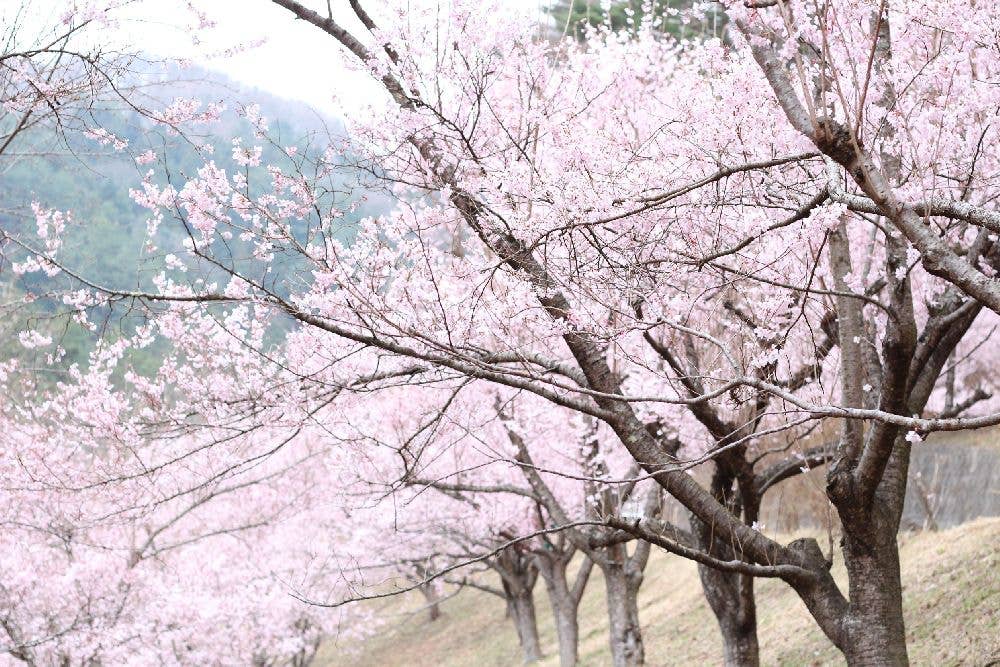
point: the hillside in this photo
(106, 240)
(951, 589)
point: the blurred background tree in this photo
(680, 19)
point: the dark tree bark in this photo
(730, 595)
(876, 630)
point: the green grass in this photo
(951, 585)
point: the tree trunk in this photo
(737, 623)
(876, 630)
(523, 608)
(433, 608)
(874, 627)
(739, 643)
(564, 608)
(876, 634)
(508, 598)
(518, 575)
(625, 634)
(730, 594)
(568, 634)
(868, 626)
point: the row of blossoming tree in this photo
(620, 270)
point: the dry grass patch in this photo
(951, 582)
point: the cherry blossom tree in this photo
(122, 544)
(197, 578)
(50, 76)
(715, 252)
(523, 207)
(167, 529)
(490, 460)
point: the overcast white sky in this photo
(296, 60)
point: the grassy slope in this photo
(951, 586)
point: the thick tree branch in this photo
(783, 571)
(792, 466)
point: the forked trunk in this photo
(868, 626)
(518, 574)
(876, 633)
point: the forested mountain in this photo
(109, 238)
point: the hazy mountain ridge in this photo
(107, 240)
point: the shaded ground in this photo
(951, 586)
